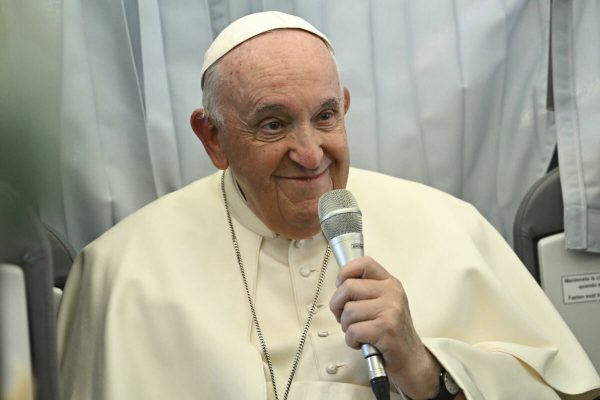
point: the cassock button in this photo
(332, 369)
(299, 243)
(323, 333)
(305, 271)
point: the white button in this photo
(305, 272)
(299, 243)
(333, 368)
(323, 333)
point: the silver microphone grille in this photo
(339, 213)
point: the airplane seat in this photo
(63, 256)
(28, 354)
(540, 214)
(570, 279)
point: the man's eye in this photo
(325, 116)
(272, 125)
(271, 130)
(327, 119)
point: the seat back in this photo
(16, 378)
(63, 256)
(25, 254)
(570, 279)
(539, 215)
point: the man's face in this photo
(283, 134)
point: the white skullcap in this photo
(252, 25)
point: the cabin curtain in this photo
(576, 66)
(452, 94)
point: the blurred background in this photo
(472, 97)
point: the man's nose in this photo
(306, 149)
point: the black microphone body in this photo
(341, 223)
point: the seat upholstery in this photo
(539, 215)
(25, 245)
(63, 255)
(539, 242)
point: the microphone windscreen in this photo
(339, 213)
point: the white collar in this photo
(238, 207)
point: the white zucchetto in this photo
(252, 25)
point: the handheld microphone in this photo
(341, 223)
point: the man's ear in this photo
(346, 99)
(208, 133)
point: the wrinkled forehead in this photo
(253, 25)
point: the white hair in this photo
(210, 95)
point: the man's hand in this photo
(372, 307)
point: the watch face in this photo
(451, 386)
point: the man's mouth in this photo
(308, 178)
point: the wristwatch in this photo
(448, 388)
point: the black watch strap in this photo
(448, 388)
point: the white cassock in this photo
(156, 307)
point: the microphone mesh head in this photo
(342, 222)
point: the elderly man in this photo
(220, 290)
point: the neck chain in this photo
(261, 338)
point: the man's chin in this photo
(306, 219)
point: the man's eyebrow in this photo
(333, 103)
(266, 108)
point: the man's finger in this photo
(358, 311)
(362, 268)
(353, 290)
